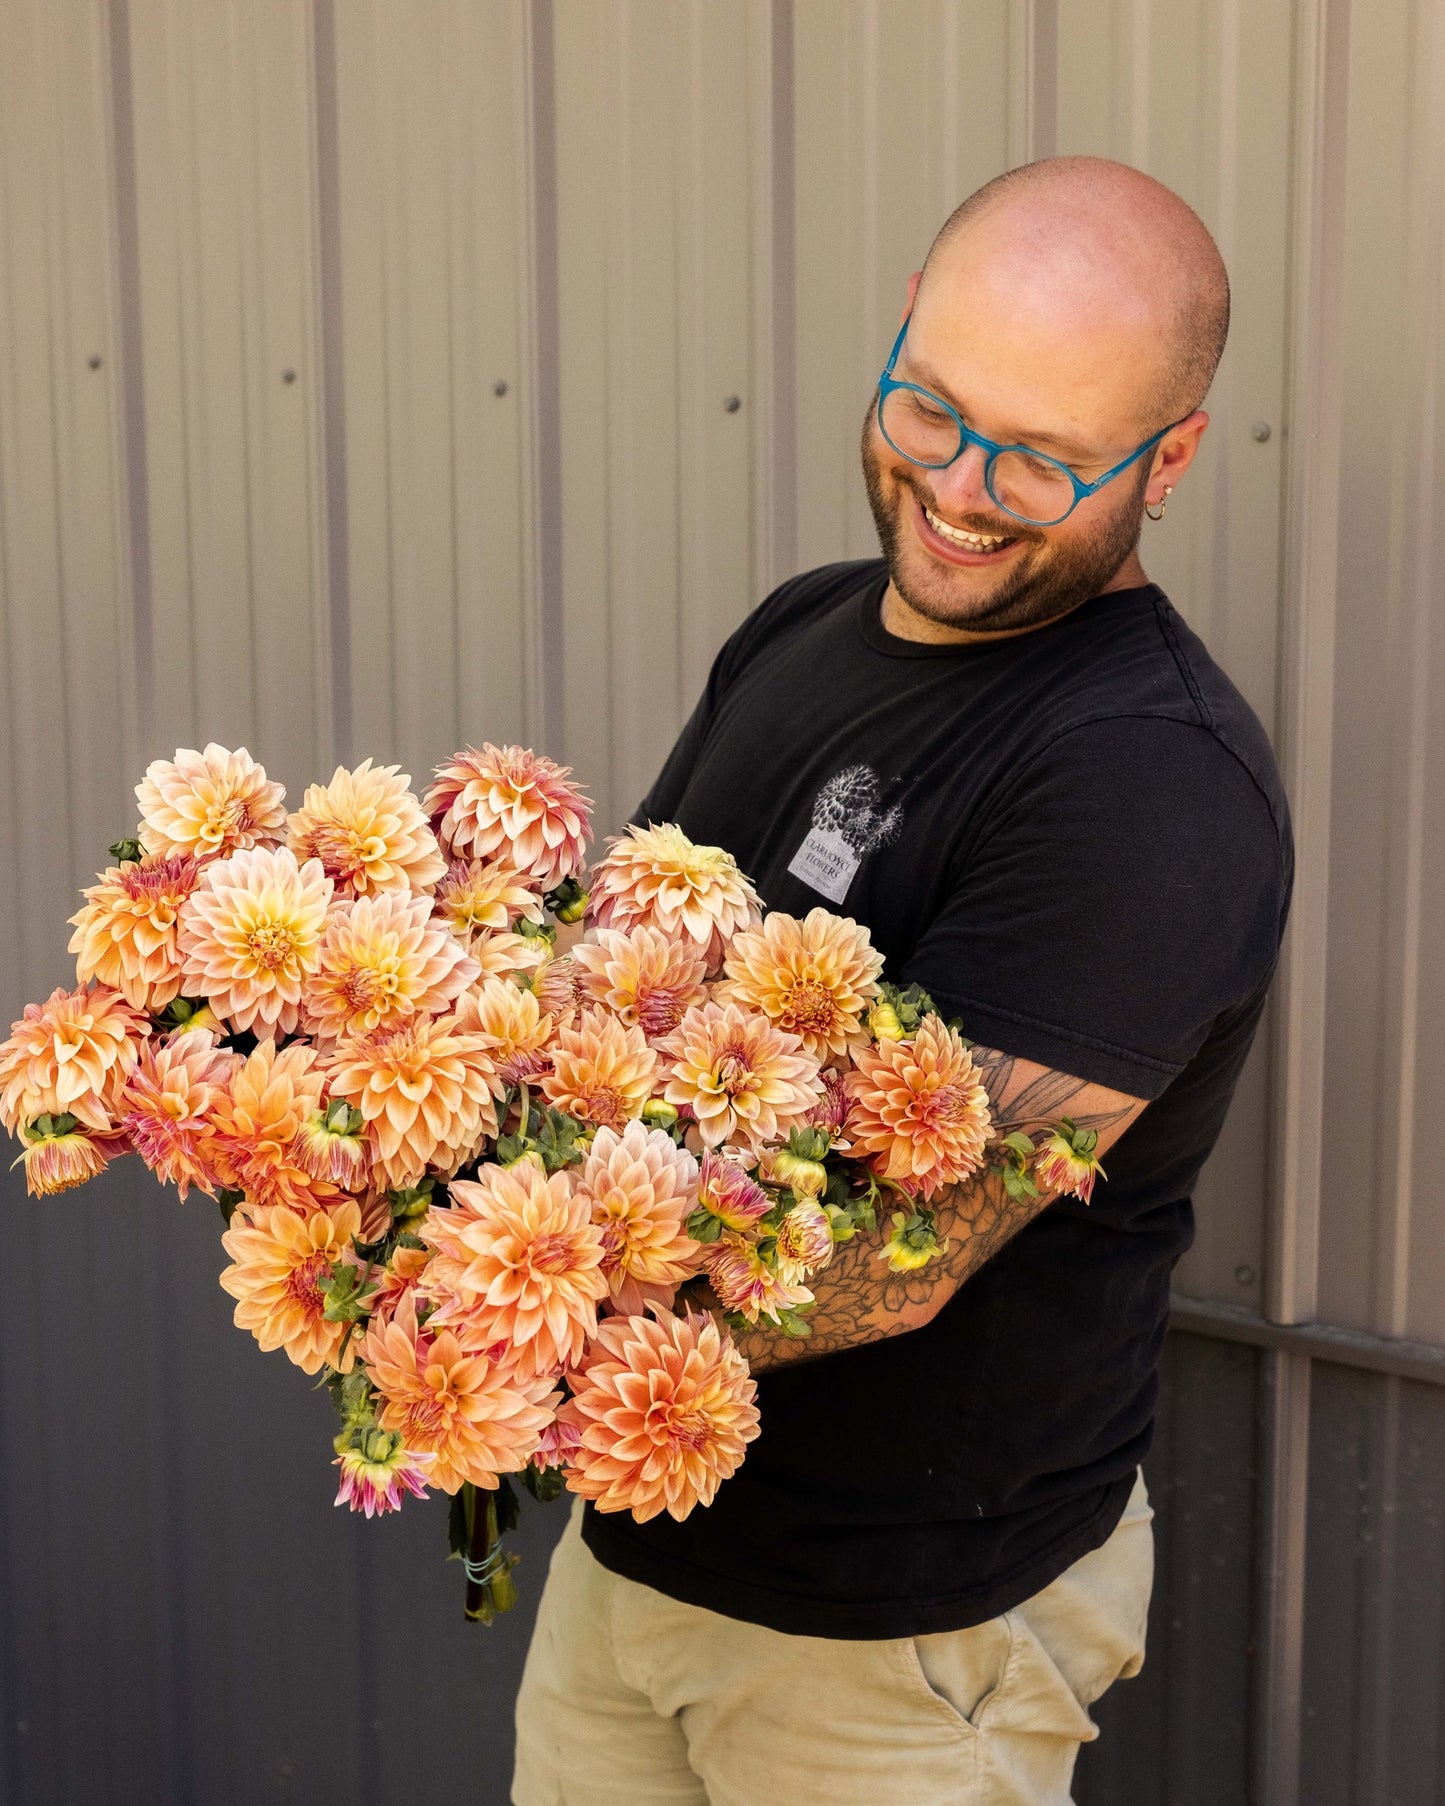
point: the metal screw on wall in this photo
(1260, 431)
(94, 360)
(1245, 1275)
(499, 387)
(288, 376)
(731, 403)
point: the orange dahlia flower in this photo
(425, 1091)
(918, 1109)
(250, 936)
(279, 1259)
(748, 1283)
(814, 977)
(255, 1122)
(368, 832)
(380, 959)
(474, 1418)
(642, 976)
(657, 877)
(70, 1055)
(520, 1267)
(513, 1025)
(126, 936)
(56, 1163)
(665, 1411)
(743, 1079)
(209, 803)
(640, 1188)
(167, 1106)
(602, 1070)
(482, 896)
(503, 802)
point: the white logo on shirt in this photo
(847, 825)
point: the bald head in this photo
(1086, 242)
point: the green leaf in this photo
(703, 1226)
(228, 1201)
(509, 1507)
(792, 1323)
(544, 1483)
(458, 1529)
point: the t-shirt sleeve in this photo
(1126, 888)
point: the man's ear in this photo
(913, 281)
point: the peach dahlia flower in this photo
(513, 1025)
(505, 803)
(665, 1413)
(280, 1257)
(814, 977)
(743, 1079)
(483, 896)
(474, 1418)
(250, 935)
(56, 1163)
(520, 1266)
(656, 876)
(918, 1109)
(126, 936)
(642, 976)
(168, 1104)
(368, 832)
(748, 1283)
(254, 1122)
(208, 803)
(380, 959)
(640, 1187)
(70, 1055)
(602, 1070)
(425, 1091)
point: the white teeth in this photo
(975, 542)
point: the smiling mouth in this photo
(960, 536)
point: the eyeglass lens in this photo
(1028, 487)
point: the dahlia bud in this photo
(728, 1198)
(657, 1113)
(913, 1243)
(883, 1023)
(804, 1242)
(378, 1470)
(808, 1178)
(568, 902)
(1066, 1162)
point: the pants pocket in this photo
(955, 1673)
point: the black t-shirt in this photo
(1077, 840)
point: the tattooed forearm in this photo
(860, 1299)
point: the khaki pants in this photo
(632, 1699)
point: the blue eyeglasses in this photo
(1028, 484)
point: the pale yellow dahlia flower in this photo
(279, 1259)
(126, 936)
(744, 1080)
(475, 1418)
(254, 1123)
(425, 1091)
(368, 832)
(509, 804)
(520, 1268)
(502, 954)
(380, 959)
(642, 976)
(814, 977)
(209, 804)
(70, 1055)
(665, 1413)
(169, 1102)
(482, 896)
(641, 1187)
(602, 1070)
(250, 936)
(918, 1109)
(657, 877)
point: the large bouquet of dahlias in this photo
(465, 1174)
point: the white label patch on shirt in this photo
(848, 824)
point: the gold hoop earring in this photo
(1163, 503)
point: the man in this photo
(1004, 752)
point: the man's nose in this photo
(960, 487)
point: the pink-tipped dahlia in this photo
(127, 934)
(425, 1091)
(814, 977)
(513, 1025)
(56, 1162)
(482, 896)
(250, 936)
(746, 1281)
(830, 1113)
(555, 987)
(169, 1102)
(520, 1266)
(512, 805)
(665, 1413)
(918, 1109)
(642, 976)
(730, 1193)
(376, 1475)
(744, 1079)
(602, 1071)
(657, 877)
(70, 1055)
(380, 959)
(1066, 1161)
(280, 1259)
(476, 1419)
(367, 831)
(331, 1146)
(255, 1121)
(208, 804)
(804, 1242)
(641, 1187)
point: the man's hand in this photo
(860, 1299)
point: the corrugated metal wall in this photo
(376, 375)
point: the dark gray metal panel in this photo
(1180, 1734)
(1374, 1622)
(183, 1616)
